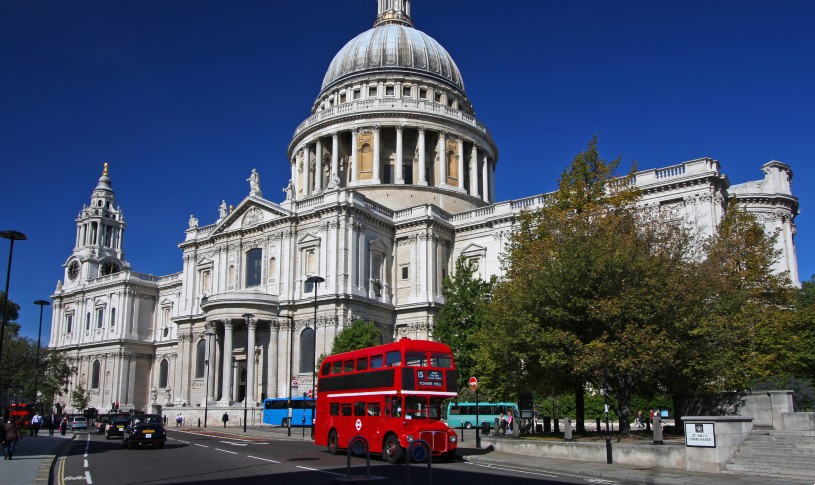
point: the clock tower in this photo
(99, 237)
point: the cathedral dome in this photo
(389, 47)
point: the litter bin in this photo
(485, 427)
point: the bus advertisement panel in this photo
(276, 411)
(391, 395)
(463, 413)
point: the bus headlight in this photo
(410, 438)
(453, 438)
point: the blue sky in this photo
(184, 97)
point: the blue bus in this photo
(463, 413)
(276, 411)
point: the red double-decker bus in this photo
(391, 395)
(22, 412)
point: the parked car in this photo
(144, 429)
(78, 423)
(116, 428)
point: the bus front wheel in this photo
(392, 451)
(333, 443)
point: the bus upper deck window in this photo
(376, 362)
(393, 359)
(326, 369)
(444, 361)
(348, 366)
(362, 364)
(336, 367)
(416, 359)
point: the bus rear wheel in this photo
(468, 425)
(333, 443)
(285, 423)
(392, 452)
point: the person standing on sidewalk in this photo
(225, 418)
(49, 423)
(13, 433)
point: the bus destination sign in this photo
(430, 378)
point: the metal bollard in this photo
(429, 458)
(199, 422)
(567, 429)
(599, 429)
(657, 430)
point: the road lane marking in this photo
(202, 446)
(86, 463)
(526, 472)
(262, 459)
(234, 444)
(225, 451)
(88, 478)
(321, 471)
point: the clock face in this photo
(109, 267)
(73, 270)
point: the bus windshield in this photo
(421, 407)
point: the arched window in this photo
(200, 359)
(163, 370)
(230, 276)
(366, 161)
(272, 269)
(97, 368)
(254, 264)
(307, 350)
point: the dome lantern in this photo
(393, 12)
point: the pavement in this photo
(35, 457)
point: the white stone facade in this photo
(392, 179)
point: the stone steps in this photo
(774, 454)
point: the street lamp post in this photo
(208, 332)
(314, 280)
(11, 236)
(249, 355)
(291, 365)
(41, 303)
(609, 460)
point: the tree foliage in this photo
(80, 397)
(601, 290)
(358, 335)
(463, 315)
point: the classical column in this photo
(335, 161)
(306, 172)
(474, 171)
(442, 158)
(422, 162)
(354, 143)
(251, 326)
(294, 176)
(485, 169)
(318, 167)
(491, 173)
(226, 365)
(377, 161)
(398, 178)
(461, 163)
(211, 359)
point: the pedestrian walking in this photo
(36, 424)
(63, 426)
(13, 434)
(49, 423)
(225, 418)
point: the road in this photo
(210, 457)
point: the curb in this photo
(45, 474)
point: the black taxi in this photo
(144, 429)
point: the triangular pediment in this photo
(251, 212)
(473, 249)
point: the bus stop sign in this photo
(473, 383)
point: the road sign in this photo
(309, 394)
(294, 383)
(473, 383)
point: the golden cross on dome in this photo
(105, 171)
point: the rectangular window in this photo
(334, 409)
(437, 97)
(254, 263)
(444, 361)
(100, 317)
(393, 359)
(348, 366)
(406, 91)
(69, 323)
(357, 93)
(362, 364)
(359, 409)
(343, 97)
(373, 409)
(336, 368)
(389, 91)
(404, 272)
(345, 409)
(372, 91)
(423, 93)
(376, 362)
(326, 369)
(416, 359)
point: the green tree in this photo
(358, 335)
(463, 315)
(591, 293)
(80, 397)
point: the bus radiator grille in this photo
(437, 440)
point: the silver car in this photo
(77, 423)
